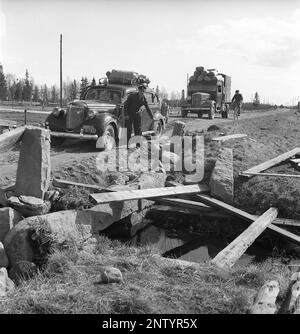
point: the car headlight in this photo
(91, 114)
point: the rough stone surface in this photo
(22, 270)
(178, 129)
(3, 199)
(30, 238)
(221, 181)
(3, 257)
(29, 206)
(33, 173)
(109, 275)
(8, 219)
(6, 284)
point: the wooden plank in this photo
(230, 254)
(277, 221)
(235, 136)
(65, 184)
(183, 203)
(126, 195)
(192, 206)
(269, 174)
(10, 138)
(247, 216)
(265, 300)
(270, 163)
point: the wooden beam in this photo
(235, 136)
(247, 216)
(10, 138)
(229, 255)
(65, 184)
(265, 300)
(269, 174)
(270, 163)
(277, 221)
(183, 203)
(126, 195)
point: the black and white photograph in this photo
(149, 159)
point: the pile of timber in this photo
(201, 74)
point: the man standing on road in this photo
(237, 100)
(133, 113)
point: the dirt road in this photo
(73, 153)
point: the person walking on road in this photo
(132, 111)
(237, 101)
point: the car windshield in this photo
(107, 95)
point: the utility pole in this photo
(187, 85)
(60, 88)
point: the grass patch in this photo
(67, 285)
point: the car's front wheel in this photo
(57, 141)
(108, 139)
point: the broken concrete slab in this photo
(178, 129)
(34, 166)
(221, 181)
(29, 206)
(8, 219)
(3, 257)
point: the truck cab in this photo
(208, 94)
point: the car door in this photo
(146, 119)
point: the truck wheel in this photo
(200, 114)
(226, 111)
(108, 140)
(212, 111)
(184, 113)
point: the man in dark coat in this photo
(132, 111)
(237, 100)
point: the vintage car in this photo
(99, 115)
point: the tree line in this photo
(25, 89)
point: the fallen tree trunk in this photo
(229, 255)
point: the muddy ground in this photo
(74, 158)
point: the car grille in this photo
(75, 116)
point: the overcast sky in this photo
(257, 43)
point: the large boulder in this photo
(6, 284)
(3, 257)
(33, 238)
(8, 219)
(33, 173)
(221, 181)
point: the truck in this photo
(208, 92)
